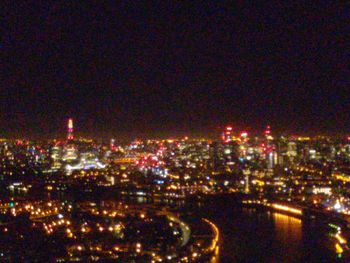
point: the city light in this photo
(292, 176)
(287, 209)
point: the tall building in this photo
(292, 151)
(56, 157)
(269, 148)
(224, 153)
(267, 132)
(230, 153)
(216, 151)
(227, 134)
(70, 135)
(112, 144)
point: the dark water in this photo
(250, 235)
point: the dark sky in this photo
(169, 67)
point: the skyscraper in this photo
(227, 134)
(70, 135)
(270, 153)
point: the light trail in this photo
(215, 240)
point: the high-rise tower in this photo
(270, 151)
(227, 134)
(70, 129)
(267, 132)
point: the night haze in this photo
(165, 69)
(174, 131)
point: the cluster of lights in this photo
(341, 243)
(50, 227)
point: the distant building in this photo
(70, 135)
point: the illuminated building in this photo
(70, 153)
(216, 155)
(244, 137)
(243, 145)
(86, 165)
(223, 154)
(267, 132)
(246, 173)
(292, 151)
(70, 135)
(87, 161)
(56, 158)
(269, 149)
(227, 134)
(111, 145)
(230, 153)
(271, 158)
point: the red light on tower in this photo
(227, 135)
(70, 129)
(268, 130)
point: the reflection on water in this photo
(250, 235)
(288, 236)
(287, 228)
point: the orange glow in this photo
(287, 209)
(338, 249)
(340, 239)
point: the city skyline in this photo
(69, 133)
(174, 199)
(174, 131)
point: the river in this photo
(253, 235)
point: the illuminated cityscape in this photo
(128, 201)
(174, 131)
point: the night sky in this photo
(171, 68)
